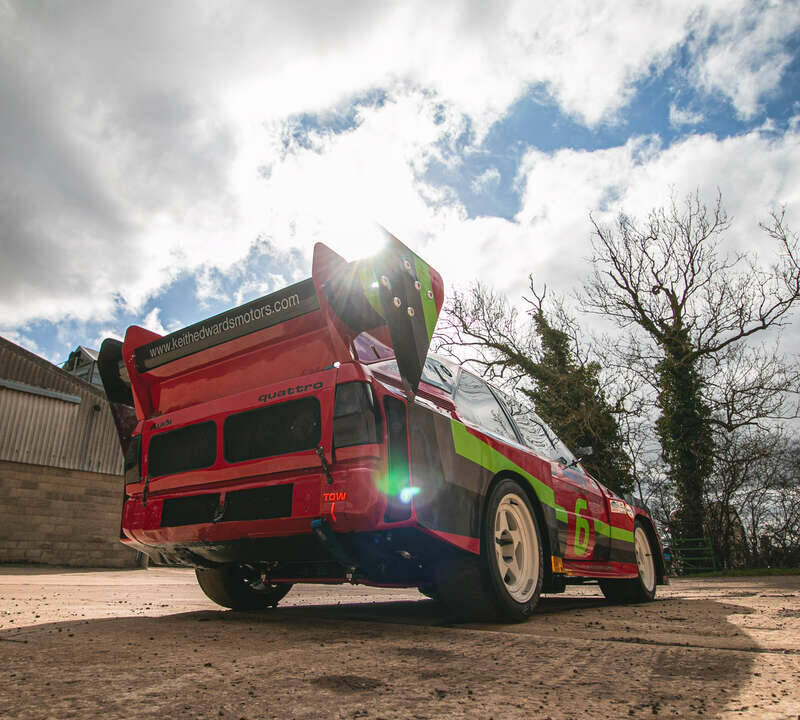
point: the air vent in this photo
(189, 510)
(189, 448)
(273, 430)
(259, 503)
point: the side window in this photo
(537, 434)
(476, 403)
(434, 372)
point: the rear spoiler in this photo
(394, 296)
(117, 385)
(394, 293)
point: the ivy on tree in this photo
(542, 357)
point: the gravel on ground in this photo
(148, 644)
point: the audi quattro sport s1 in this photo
(309, 436)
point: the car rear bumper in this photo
(267, 506)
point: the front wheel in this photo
(240, 587)
(642, 588)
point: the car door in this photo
(574, 490)
(581, 496)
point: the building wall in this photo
(60, 467)
(59, 516)
(71, 427)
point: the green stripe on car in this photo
(428, 303)
(615, 533)
(369, 284)
(483, 454)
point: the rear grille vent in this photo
(189, 448)
(274, 430)
(259, 503)
(262, 503)
(189, 510)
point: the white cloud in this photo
(208, 286)
(742, 55)
(135, 133)
(550, 234)
(104, 333)
(678, 117)
(334, 187)
(487, 179)
(152, 321)
(755, 172)
(19, 337)
(252, 289)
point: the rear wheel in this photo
(643, 587)
(240, 587)
(505, 581)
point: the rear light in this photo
(133, 460)
(356, 416)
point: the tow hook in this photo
(327, 537)
(321, 454)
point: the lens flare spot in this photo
(407, 493)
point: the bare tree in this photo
(737, 494)
(694, 305)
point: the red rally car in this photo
(308, 436)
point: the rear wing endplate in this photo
(395, 289)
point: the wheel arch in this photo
(652, 536)
(547, 530)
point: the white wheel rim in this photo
(644, 560)
(517, 548)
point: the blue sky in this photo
(161, 164)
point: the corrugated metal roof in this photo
(43, 429)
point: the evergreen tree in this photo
(544, 360)
(569, 396)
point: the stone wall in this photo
(61, 517)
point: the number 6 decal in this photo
(583, 531)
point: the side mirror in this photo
(583, 452)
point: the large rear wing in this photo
(392, 298)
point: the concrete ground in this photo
(148, 644)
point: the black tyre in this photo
(642, 588)
(505, 581)
(240, 587)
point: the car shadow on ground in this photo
(574, 657)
